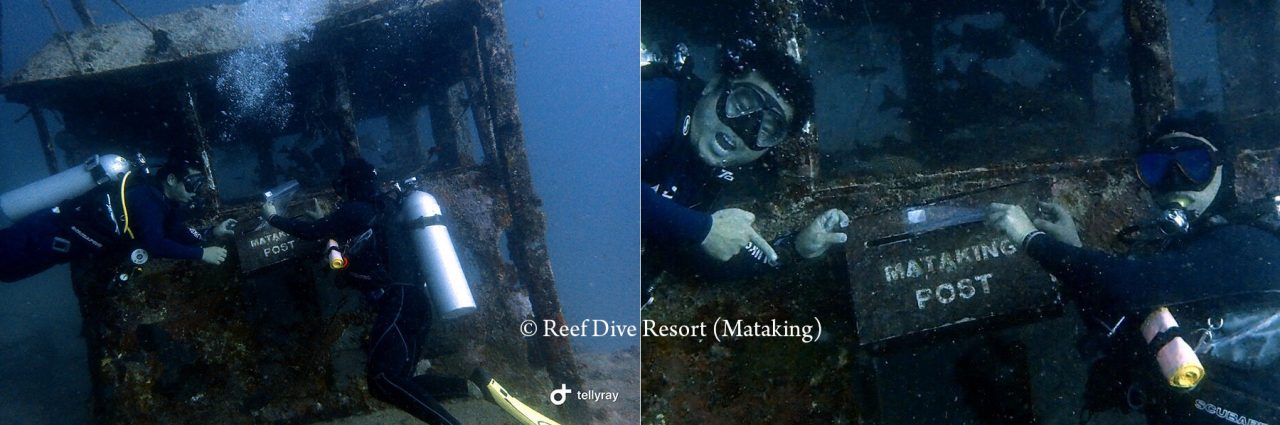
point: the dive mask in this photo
(755, 116)
(1178, 162)
(193, 183)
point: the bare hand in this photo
(214, 255)
(224, 228)
(317, 211)
(820, 234)
(1011, 220)
(731, 230)
(1063, 227)
(268, 210)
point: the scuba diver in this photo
(694, 133)
(403, 310)
(1212, 262)
(149, 216)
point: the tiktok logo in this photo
(558, 396)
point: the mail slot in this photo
(932, 266)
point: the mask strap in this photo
(1185, 135)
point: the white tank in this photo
(50, 191)
(435, 255)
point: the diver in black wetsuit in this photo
(97, 222)
(403, 310)
(693, 134)
(1217, 267)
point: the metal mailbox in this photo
(268, 245)
(933, 266)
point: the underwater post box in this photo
(936, 265)
(267, 245)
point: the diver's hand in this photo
(1063, 227)
(214, 255)
(1011, 220)
(268, 210)
(731, 231)
(316, 212)
(224, 228)
(820, 234)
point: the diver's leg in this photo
(30, 246)
(443, 387)
(391, 358)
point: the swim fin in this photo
(495, 393)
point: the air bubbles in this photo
(254, 80)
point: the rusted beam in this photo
(448, 128)
(480, 103)
(196, 134)
(529, 224)
(46, 142)
(1150, 69)
(82, 11)
(62, 35)
(918, 20)
(798, 160)
(346, 115)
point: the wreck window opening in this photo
(1195, 50)
(238, 167)
(504, 247)
(374, 144)
(975, 87)
(477, 145)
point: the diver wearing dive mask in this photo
(1193, 157)
(1182, 170)
(694, 134)
(1221, 265)
(753, 114)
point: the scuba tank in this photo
(50, 191)
(434, 254)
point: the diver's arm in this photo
(348, 221)
(1231, 260)
(147, 220)
(179, 232)
(666, 222)
(306, 229)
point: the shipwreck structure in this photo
(187, 343)
(959, 132)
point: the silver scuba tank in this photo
(435, 256)
(49, 191)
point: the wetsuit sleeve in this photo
(664, 221)
(179, 232)
(147, 217)
(1231, 260)
(746, 264)
(348, 221)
